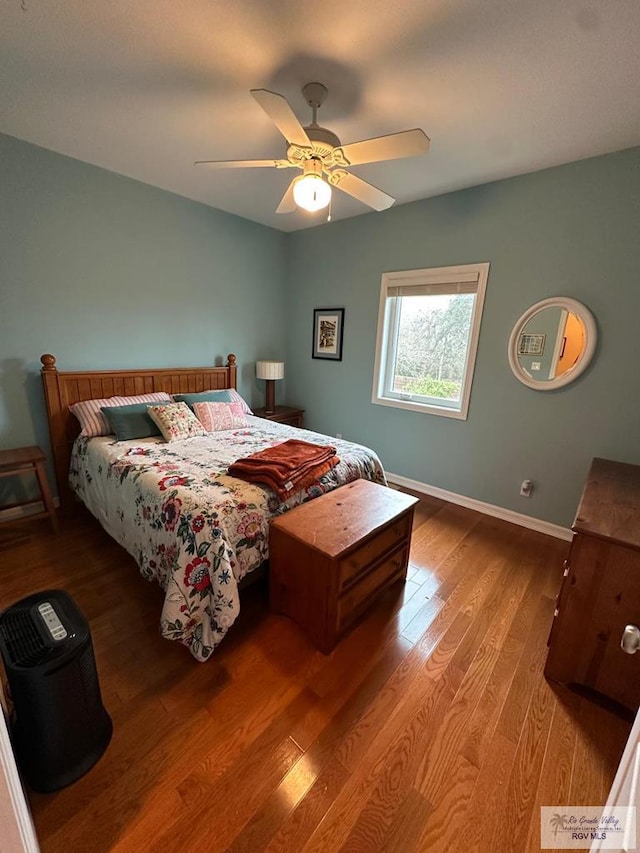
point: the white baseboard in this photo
(397, 479)
(488, 509)
(25, 511)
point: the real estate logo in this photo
(590, 827)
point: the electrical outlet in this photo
(526, 488)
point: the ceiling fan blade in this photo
(243, 164)
(281, 114)
(361, 190)
(408, 143)
(287, 204)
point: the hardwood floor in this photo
(430, 726)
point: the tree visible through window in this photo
(427, 337)
(433, 336)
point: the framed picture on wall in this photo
(328, 325)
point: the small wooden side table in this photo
(25, 460)
(282, 415)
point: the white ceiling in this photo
(145, 87)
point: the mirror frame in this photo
(591, 336)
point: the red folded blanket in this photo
(285, 488)
(289, 454)
(287, 467)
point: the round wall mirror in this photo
(552, 343)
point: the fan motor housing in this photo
(322, 136)
(323, 142)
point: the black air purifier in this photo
(60, 727)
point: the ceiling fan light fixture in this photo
(310, 191)
(322, 157)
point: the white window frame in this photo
(388, 319)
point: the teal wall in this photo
(571, 231)
(103, 271)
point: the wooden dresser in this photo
(600, 593)
(329, 558)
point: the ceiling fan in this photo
(321, 156)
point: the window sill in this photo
(424, 408)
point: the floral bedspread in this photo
(189, 525)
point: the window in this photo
(428, 327)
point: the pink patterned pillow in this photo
(218, 416)
(176, 421)
(93, 422)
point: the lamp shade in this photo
(270, 369)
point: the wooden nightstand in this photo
(282, 415)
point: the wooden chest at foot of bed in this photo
(331, 557)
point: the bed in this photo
(190, 526)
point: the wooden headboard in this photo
(63, 389)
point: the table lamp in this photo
(270, 371)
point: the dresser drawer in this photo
(358, 562)
(356, 598)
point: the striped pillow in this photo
(218, 416)
(92, 420)
(236, 398)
